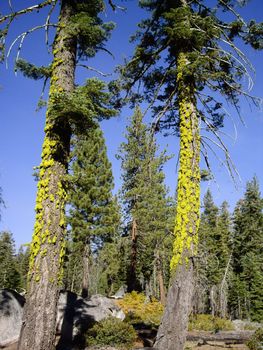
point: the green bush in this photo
(256, 341)
(113, 332)
(204, 322)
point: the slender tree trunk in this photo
(48, 244)
(132, 280)
(86, 269)
(160, 279)
(172, 332)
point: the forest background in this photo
(21, 133)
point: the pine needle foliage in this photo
(93, 214)
(144, 196)
(247, 283)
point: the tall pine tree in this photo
(184, 47)
(147, 209)
(213, 265)
(9, 272)
(80, 33)
(247, 285)
(93, 214)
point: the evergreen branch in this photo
(158, 88)
(27, 10)
(162, 112)
(94, 70)
(22, 37)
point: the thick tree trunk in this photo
(85, 276)
(173, 329)
(132, 280)
(48, 244)
(172, 332)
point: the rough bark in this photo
(173, 329)
(172, 332)
(48, 243)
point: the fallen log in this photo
(237, 337)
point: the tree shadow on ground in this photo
(74, 317)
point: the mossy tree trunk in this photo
(48, 244)
(172, 331)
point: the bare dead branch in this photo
(27, 10)
(94, 70)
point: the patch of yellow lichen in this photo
(188, 190)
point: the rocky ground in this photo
(190, 345)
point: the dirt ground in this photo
(188, 346)
(214, 346)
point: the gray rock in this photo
(75, 314)
(11, 313)
(120, 293)
(241, 325)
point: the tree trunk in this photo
(172, 332)
(85, 276)
(48, 243)
(173, 329)
(132, 280)
(160, 279)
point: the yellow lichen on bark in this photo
(188, 190)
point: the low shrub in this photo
(202, 322)
(256, 341)
(138, 309)
(112, 331)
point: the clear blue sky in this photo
(21, 132)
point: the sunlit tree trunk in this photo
(86, 271)
(132, 278)
(172, 331)
(48, 243)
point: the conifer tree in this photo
(9, 274)
(146, 206)
(22, 259)
(185, 46)
(93, 214)
(214, 250)
(80, 33)
(247, 284)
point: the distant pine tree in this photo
(9, 273)
(213, 268)
(22, 259)
(147, 209)
(93, 214)
(247, 283)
